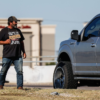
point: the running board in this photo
(86, 78)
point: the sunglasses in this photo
(15, 21)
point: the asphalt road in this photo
(81, 87)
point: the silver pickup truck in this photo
(79, 57)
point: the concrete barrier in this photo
(40, 74)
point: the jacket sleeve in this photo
(2, 34)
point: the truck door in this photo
(85, 50)
(98, 55)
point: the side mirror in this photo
(74, 34)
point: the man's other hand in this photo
(24, 55)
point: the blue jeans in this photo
(6, 62)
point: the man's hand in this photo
(24, 55)
(8, 41)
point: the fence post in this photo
(36, 61)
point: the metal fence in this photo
(39, 61)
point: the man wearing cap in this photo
(12, 40)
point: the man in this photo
(12, 40)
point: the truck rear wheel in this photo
(63, 76)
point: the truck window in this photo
(92, 30)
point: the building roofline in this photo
(23, 20)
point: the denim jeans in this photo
(18, 63)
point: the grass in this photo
(11, 93)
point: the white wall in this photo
(40, 74)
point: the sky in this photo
(67, 15)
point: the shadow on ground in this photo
(90, 83)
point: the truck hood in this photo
(66, 42)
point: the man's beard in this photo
(15, 26)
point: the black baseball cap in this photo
(12, 18)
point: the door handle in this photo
(93, 45)
(72, 43)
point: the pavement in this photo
(50, 86)
(30, 85)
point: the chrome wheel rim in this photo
(59, 78)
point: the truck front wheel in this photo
(63, 76)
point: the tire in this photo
(63, 76)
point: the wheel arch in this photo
(64, 57)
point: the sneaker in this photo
(1, 87)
